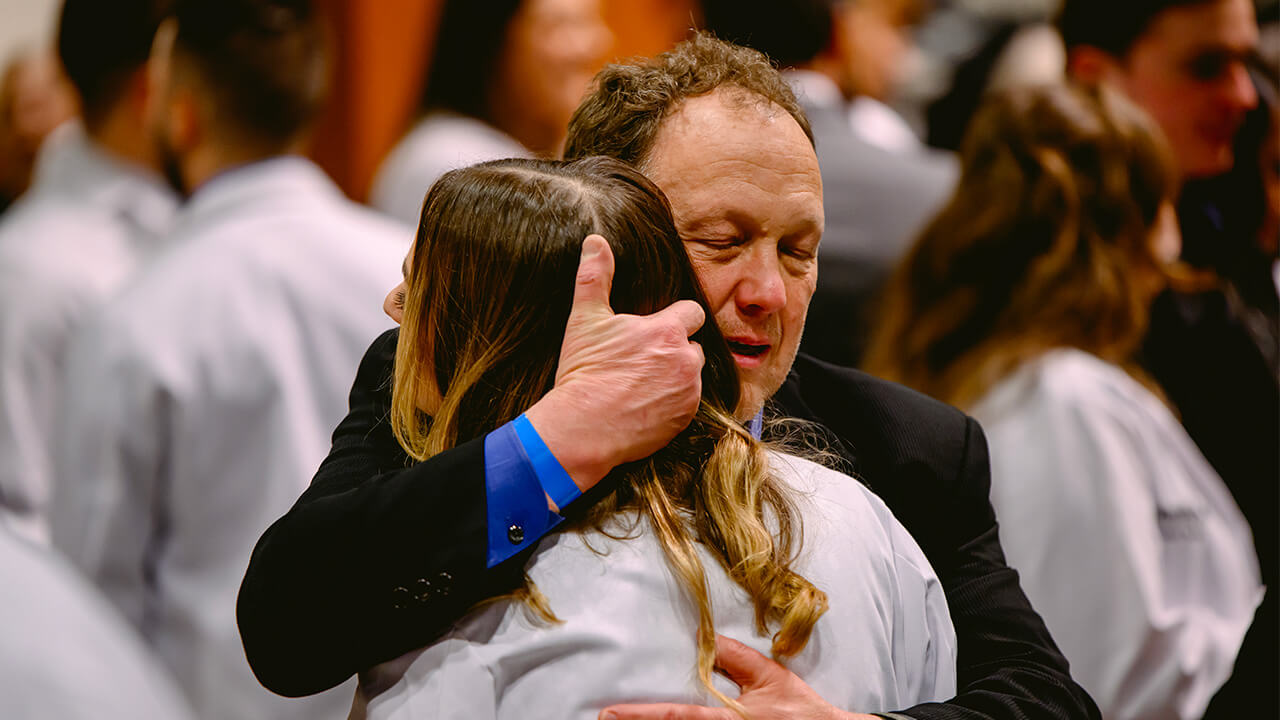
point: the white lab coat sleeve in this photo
(34, 331)
(1073, 486)
(922, 625)
(65, 654)
(107, 505)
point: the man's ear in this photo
(140, 95)
(1089, 65)
(185, 122)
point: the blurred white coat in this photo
(1128, 544)
(201, 402)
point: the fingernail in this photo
(589, 249)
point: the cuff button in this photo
(515, 534)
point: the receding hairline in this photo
(732, 95)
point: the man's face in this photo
(553, 48)
(1187, 70)
(746, 194)
(873, 37)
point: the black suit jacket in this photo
(379, 556)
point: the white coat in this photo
(885, 643)
(65, 653)
(201, 402)
(66, 246)
(1128, 544)
(440, 142)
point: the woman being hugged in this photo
(1023, 302)
(714, 533)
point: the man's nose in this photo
(761, 287)
(1239, 89)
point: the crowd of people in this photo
(697, 386)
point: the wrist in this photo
(583, 449)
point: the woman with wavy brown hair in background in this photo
(714, 533)
(1023, 302)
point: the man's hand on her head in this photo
(769, 692)
(625, 385)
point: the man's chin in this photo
(757, 388)
(1214, 159)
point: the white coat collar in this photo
(71, 165)
(814, 89)
(275, 182)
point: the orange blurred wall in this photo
(381, 52)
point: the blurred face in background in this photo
(1188, 71)
(34, 99)
(1269, 232)
(873, 37)
(553, 49)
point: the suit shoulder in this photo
(891, 431)
(848, 391)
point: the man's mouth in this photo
(744, 349)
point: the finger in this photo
(746, 667)
(665, 711)
(686, 312)
(595, 277)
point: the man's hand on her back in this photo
(626, 384)
(769, 692)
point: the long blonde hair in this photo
(1047, 242)
(489, 293)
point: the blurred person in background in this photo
(875, 199)
(65, 652)
(330, 591)
(504, 78)
(98, 209)
(201, 398)
(872, 41)
(1024, 302)
(1211, 344)
(35, 98)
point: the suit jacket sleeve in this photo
(375, 559)
(929, 463)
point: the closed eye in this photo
(719, 243)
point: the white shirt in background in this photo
(65, 653)
(885, 643)
(440, 142)
(1128, 544)
(200, 403)
(88, 221)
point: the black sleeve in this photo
(375, 559)
(929, 463)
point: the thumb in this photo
(687, 313)
(595, 278)
(744, 666)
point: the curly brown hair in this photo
(621, 115)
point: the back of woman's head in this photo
(488, 297)
(1047, 242)
(492, 282)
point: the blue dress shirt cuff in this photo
(516, 506)
(551, 474)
